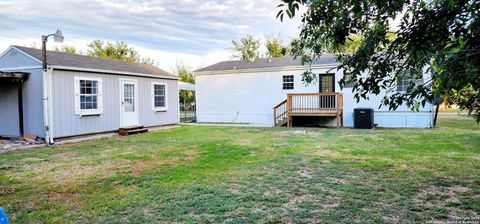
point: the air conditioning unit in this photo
(363, 118)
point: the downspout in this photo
(50, 102)
(46, 106)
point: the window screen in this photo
(159, 95)
(288, 82)
(88, 94)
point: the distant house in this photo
(80, 94)
(271, 91)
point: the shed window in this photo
(288, 82)
(88, 96)
(349, 81)
(159, 96)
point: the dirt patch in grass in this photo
(327, 153)
(305, 174)
(7, 190)
(243, 142)
(337, 180)
(434, 197)
(235, 189)
(476, 157)
(67, 199)
(138, 168)
(282, 133)
(350, 135)
(294, 200)
(6, 166)
(66, 155)
(33, 159)
(74, 175)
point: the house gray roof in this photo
(266, 63)
(80, 61)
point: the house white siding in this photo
(244, 97)
(250, 98)
(66, 123)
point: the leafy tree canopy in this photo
(186, 75)
(274, 47)
(436, 37)
(67, 49)
(246, 49)
(98, 48)
(116, 50)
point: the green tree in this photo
(246, 49)
(67, 49)
(440, 38)
(117, 50)
(186, 75)
(352, 43)
(274, 47)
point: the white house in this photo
(80, 95)
(246, 92)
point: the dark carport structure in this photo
(11, 96)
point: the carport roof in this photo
(14, 76)
(81, 61)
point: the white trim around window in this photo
(157, 97)
(88, 96)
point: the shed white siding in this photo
(250, 98)
(67, 123)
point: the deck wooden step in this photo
(129, 130)
(282, 122)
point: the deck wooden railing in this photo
(308, 104)
(280, 113)
(312, 103)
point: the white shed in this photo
(80, 95)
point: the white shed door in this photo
(129, 102)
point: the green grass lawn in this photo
(237, 175)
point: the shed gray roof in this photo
(80, 61)
(266, 63)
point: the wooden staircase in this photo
(130, 130)
(309, 104)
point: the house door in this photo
(129, 102)
(327, 83)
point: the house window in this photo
(288, 82)
(327, 83)
(159, 96)
(402, 83)
(88, 96)
(349, 82)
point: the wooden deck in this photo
(309, 104)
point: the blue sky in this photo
(193, 32)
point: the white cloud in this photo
(165, 30)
